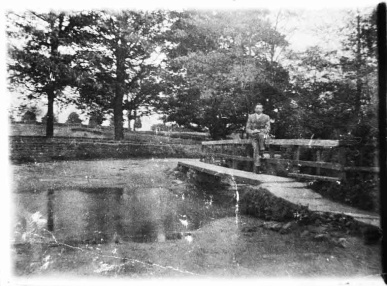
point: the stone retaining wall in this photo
(82, 130)
(41, 149)
(259, 202)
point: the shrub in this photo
(96, 119)
(360, 192)
(262, 204)
(137, 123)
(44, 119)
(74, 118)
(29, 117)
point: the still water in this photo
(104, 215)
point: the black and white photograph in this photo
(190, 141)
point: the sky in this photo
(313, 25)
(180, 4)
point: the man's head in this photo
(258, 108)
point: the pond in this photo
(106, 215)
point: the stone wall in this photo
(280, 214)
(39, 129)
(41, 149)
(81, 130)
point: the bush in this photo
(96, 119)
(44, 119)
(137, 123)
(74, 118)
(359, 192)
(262, 204)
(29, 117)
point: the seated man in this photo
(258, 127)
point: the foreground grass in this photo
(219, 249)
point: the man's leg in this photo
(261, 143)
(257, 161)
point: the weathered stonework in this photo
(42, 149)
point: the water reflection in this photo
(115, 215)
(50, 210)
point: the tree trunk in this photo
(359, 82)
(135, 117)
(52, 87)
(119, 96)
(129, 118)
(118, 118)
(50, 114)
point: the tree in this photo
(111, 121)
(96, 119)
(335, 91)
(42, 64)
(219, 80)
(44, 119)
(11, 118)
(119, 62)
(29, 112)
(359, 64)
(144, 96)
(73, 118)
(137, 124)
(29, 117)
(321, 99)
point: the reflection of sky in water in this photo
(106, 215)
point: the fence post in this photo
(250, 148)
(318, 159)
(271, 151)
(234, 162)
(206, 158)
(342, 161)
(296, 157)
(222, 161)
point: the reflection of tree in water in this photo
(82, 220)
(104, 214)
(206, 198)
